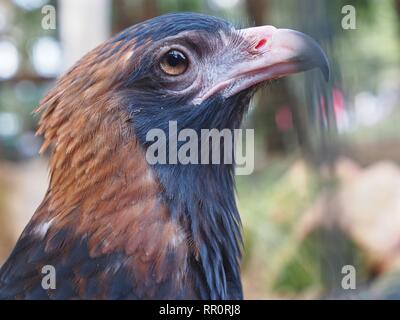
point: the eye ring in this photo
(174, 62)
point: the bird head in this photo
(201, 71)
(192, 68)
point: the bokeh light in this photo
(9, 59)
(9, 124)
(46, 56)
(30, 4)
(224, 4)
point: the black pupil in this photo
(175, 58)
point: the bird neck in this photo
(202, 198)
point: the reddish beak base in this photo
(274, 53)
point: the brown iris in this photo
(174, 63)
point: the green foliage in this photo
(288, 259)
(311, 267)
(181, 5)
(271, 205)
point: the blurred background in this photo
(326, 189)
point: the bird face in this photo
(233, 60)
(201, 71)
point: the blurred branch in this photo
(150, 9)
(83, 26)
(128, 13)
(256, 10)
(28, 77)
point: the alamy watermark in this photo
(349, 20)
(209, 146)
(49, 17)
(49, 277)
(349, 278)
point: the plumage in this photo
(112, 225)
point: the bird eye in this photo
(174, 63)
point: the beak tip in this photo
(310, 52)
(325, 67)
(326, 70)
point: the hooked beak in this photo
(274, 53)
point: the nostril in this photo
(261, 43)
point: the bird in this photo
(114, 226)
